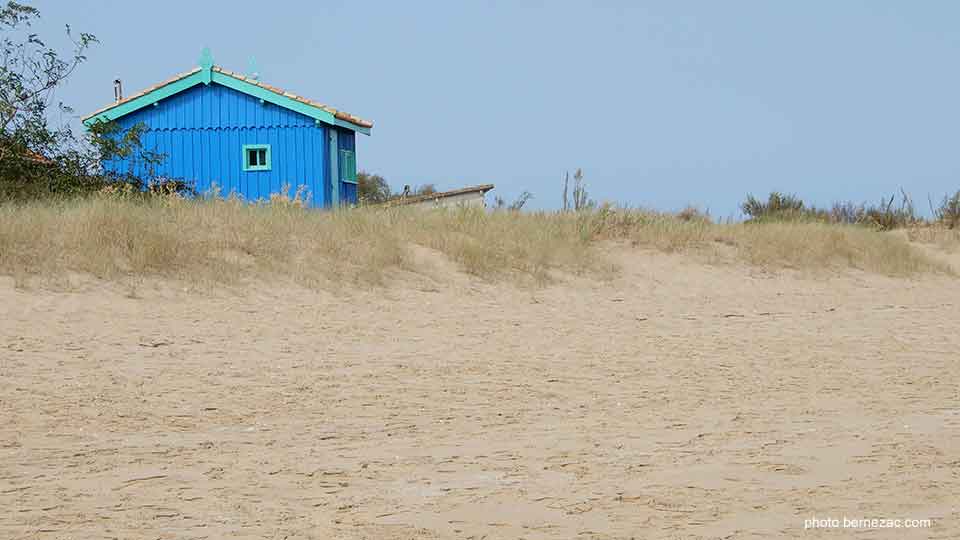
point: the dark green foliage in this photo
(778, 206)
(107, 140)
(35, 157)
(885, 216)
(40, 160)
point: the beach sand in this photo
(679, 400)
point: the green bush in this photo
(777, 207)
(37, 159)
(887, 215)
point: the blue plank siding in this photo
(347, 140)
(348, 193)
(202, 131)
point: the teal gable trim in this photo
(147, 99)
(351, 126)
(206, 75)
(275, 98)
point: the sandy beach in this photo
(679, 400)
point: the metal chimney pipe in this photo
(117, 90)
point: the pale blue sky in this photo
(661, 103)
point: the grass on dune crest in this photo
(225, 240)
(796, 245)
(943, 237)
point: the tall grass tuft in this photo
(888, 215)
(948, 213)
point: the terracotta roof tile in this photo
(336, 113)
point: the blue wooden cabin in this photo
(218, 127)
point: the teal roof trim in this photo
(272, 97)
(145, 99)
(351, 125)
(207, 74)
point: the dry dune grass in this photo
(224, 240)
(943, 237)
(796, 245)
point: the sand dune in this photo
(679, 400)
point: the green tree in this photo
(372, 188)
(33, 153)
(39, 159)
(425, 189)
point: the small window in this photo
(348, 166)
(256, 157)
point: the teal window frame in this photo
(348, 166)
(266, 166)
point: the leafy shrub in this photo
(38, 160)
(778, 206)
(887, 215)
(372, 188)
(35, 157)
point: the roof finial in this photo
(252, 70)
(206, 59)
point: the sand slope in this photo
(678, 401)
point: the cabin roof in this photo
(400, 201)
(237, 81)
